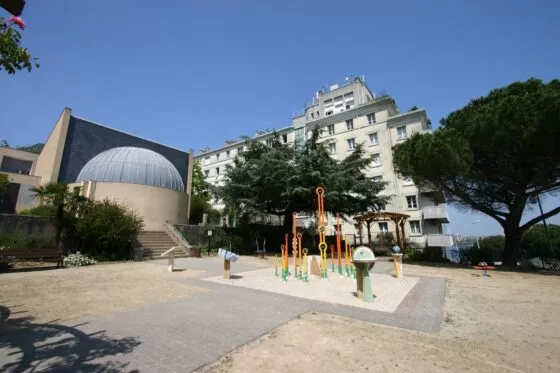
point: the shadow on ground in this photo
(32, 347)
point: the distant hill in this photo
(35, 148)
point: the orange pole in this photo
(300, 250)
(338, 243)
(294, 241)
(286, 247)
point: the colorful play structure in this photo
(303, 265)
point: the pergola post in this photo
(403, 236)
(369, 232)
(396, 221)
(360, 229)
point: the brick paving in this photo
(182, 335)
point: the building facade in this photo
(351, 114)
(151, 179)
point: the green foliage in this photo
(426, 255)
(77, 260)
(13, 56)
(490, 251)
(273, 179)
(22, 240)
(42, 210)
(535, 244)
(4, 184)
(201, 195)
(107, 230)
(495, 155)
(34, 148)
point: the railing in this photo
(177, 236)
(436, 212)
(440, 240)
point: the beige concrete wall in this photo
(26, 198)
(154, 204)
(17, 154)
(48, 162)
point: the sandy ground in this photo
(73, 293)
(506, 323)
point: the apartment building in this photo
(351, 114)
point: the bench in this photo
(484, 268)
(45, 254)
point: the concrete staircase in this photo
(156, 243)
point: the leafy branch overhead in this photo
(276, 179)
(496, 156)
(13, 56)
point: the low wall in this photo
(28, 224)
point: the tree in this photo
(68, 206)
(275, 179)
(536, 244)
(201, 195)
(496, 155)
(13, 56)
(4, 184)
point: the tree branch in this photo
(496, 215)
(539, 218)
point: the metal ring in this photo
(294, 214)
(299, 235)
(322, 229)
(320, 190)
(304, 251)
(322, 246)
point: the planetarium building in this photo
(151, 179)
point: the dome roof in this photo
(133, 166)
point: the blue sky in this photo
(195, 73)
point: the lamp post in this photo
(209, 237)
(476, 232)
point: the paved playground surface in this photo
(389, 291)
(178, 322)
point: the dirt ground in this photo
(73, 293)
(507, 323)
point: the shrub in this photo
(43, 210)
(77, 260)
(107, 230)
(22, 240)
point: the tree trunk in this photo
(59, 227)
(513, 233)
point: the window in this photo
(269, 142)
(217, 157)
(415, 227)
(350, 124)
(373, 140)
(328, 112)
(332, 148)
(228, 154)
(207, 173)
(383, 227)
(411, 202)
(285, 138)
(401, 133)
(312, 116)
(240, 150)
(375, 160)
(217, 170)
(206, 160)
(408, 181)
(377, 178)
(371, 118)
(351, 144)
(331, 129)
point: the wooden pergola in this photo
(395, 217)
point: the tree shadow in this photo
(27, 346)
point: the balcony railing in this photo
(440, 240)
(436, 212)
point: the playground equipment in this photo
(332, 258)
(364, 260)
(171, 257)
(397, 259)
(228, 258)
(300, 274)
(305, 266)
(338, 244)
(261, 254)
(294, 244)
(322, 231)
